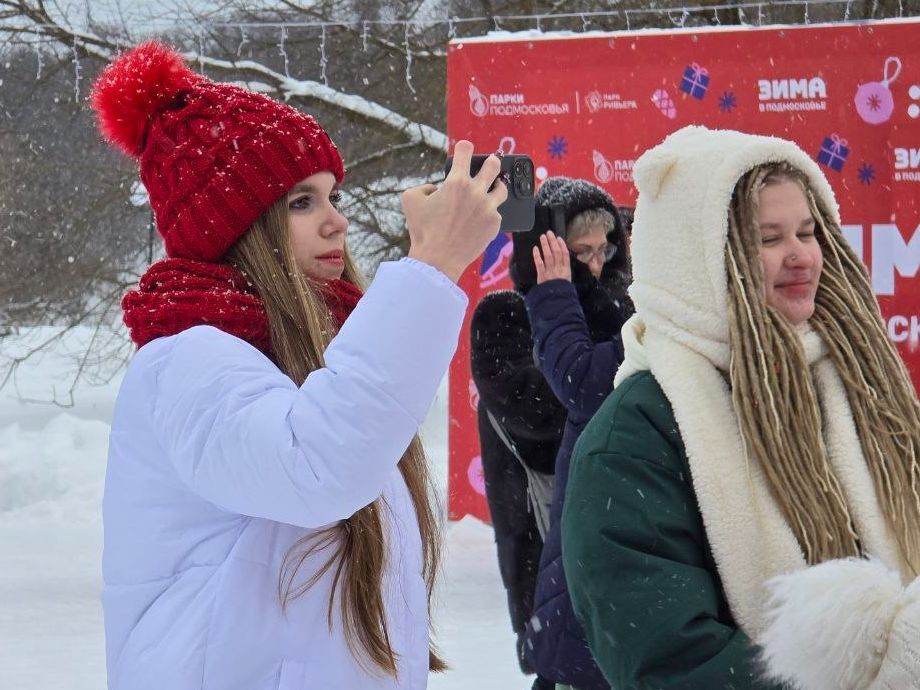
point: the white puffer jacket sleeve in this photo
(241, 435)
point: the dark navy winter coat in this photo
(577, 343)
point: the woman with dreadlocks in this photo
(743, 510)
(268, 522)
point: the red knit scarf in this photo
(176, 294)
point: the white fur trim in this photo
(845, 453)
(901, 666)
(828, 625)
(635, 359)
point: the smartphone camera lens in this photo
(522, 178)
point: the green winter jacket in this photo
(639, 568)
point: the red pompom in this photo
(133, 88)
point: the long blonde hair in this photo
(300, 328)
(775, 399)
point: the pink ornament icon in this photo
(664, 103)
(874, 101)
(478, 104)
(603, 169)
(475, 476)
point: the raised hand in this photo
(451, 225)
(551, 259)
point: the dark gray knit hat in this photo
(575, 196)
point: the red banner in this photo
(588, 106)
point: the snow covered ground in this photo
(52, 463)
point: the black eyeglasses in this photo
(607, 252)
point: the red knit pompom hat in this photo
(212, 156)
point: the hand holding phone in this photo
(517, 173)
(451, 225)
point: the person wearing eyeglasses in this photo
(576, 311)
(593, 249)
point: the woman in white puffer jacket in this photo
(267, 516)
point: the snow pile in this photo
(54, 474)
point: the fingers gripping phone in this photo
(517, 172)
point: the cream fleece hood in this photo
(681, 225)
(680, 334)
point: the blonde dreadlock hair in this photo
(774, 396)
(300, 328)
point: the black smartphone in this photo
(517, 171)
(550, 218)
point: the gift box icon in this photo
(695, 80)
(834, 152)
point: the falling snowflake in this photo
(874, 102)
(727, 102)
(557, 147)
(866, 173)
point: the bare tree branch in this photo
(261, 77)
